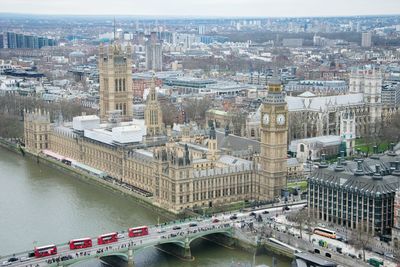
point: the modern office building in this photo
(356, 194)
(366, 39)
(391, 93)
(11, 40)
(153, 53)
(19, 40)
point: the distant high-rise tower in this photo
(1, 40)
(366, 39)
(202, 29)
(11, 40)
(153, 113)
(116, 94)
(153, 53)
(274, 130)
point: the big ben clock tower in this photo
(273, 130)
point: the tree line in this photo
(13, 106)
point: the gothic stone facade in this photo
(311, 115)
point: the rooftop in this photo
(362, 176)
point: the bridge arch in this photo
(115, 254)
(102, 258)
(181, 241)
(227, 233)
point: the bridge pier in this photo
(187, 254)
(181, 251)
(131, 262)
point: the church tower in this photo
(115, 74)
(273, 130)
(153, 113)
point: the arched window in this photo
(302, 148)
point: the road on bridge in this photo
(168, 233)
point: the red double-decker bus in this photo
(138, 231)
(80, 243)
(107, 238)
(45, 251)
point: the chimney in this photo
(375, 155)
(377, 175)
(359, 171)
(391, 152)
(396, 171)
(323, 163)
(339, 167)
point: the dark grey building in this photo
(19, 40)
(21, 43)
(11, 40)
(357, 194)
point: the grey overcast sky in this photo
(262, 8)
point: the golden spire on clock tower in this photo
(273, 154)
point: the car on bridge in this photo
(9, 262)
(23, 259)
(215, 220)
(192, 224)
(176, 227)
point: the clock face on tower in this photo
(280, 119)
(265, 119)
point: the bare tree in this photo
(196, 109)
(169, 113)
(361, 238)
(12, 106)
(372, 136)
(310, 221)
(391, 131)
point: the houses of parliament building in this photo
(177, 170)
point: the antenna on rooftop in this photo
(115, 37)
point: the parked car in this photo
(22, 259)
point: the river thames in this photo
(40, 205)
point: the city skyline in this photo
(206, 8)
